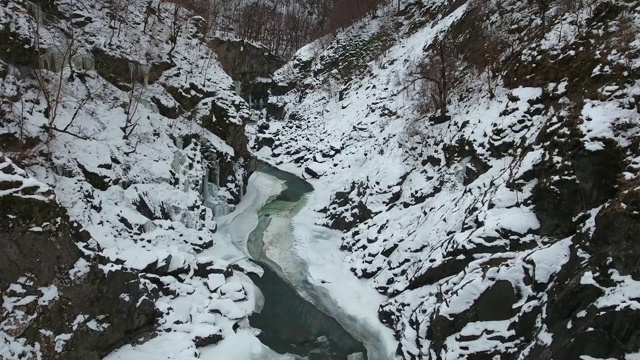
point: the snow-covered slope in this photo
(55, 303)
(123, 111)
(509, 229)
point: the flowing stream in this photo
(290, 323)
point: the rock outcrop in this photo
(125, 114)
(250, 64)
(69, 304)
(506, 228)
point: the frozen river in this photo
(314, 307)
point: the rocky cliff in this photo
(506, 228)
(133, 140)
(250, 64)
(58, 304)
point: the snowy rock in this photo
(144, 147)
(502, 229)
(214, 281)
(60, 285)
(311, 172)
(233, 290)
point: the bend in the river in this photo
(291, 324)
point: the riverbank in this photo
(265, 214)
(303, 328)
(233, 232)
(310, 258)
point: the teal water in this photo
(289, 323)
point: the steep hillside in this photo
(502, 220)
(121, 109)
(55, 302)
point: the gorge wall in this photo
(123, 112)
(507, 227)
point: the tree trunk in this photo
(443, 76)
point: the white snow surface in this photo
(137, 181)
(191, 314)
(436, 214)
(443, 229)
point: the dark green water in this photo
(289, 323)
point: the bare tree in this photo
(440, 72)
(134, 96)
(49, 73)
(147, 15)
(210, 11)
(346, 12)
(131, 110)
(176, 26)
(543, 6)
(117, 11)
(486, 51)
(55, 68)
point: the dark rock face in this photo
(616, 235)
(558, 200)
(228, 165)
(240, 58)
(123, 311)
(495, 303)
(97, 181)
(16, 51)
(116, 70)
(581, 327)
(311, 173)
(208, 340)
(220, 123)
(232, 133)
(86, 312)
(245, 62)
(344, 212)
(275, 111)
(19, 244)
(429, 275)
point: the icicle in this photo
(187, 185)
(53, 59)
(35, 10)
(76, 61)
(178, 160)
(238, 86)
(60, 170)
(211, 199)
(88, 62)
(132, 70)
(207, 221)
(207, 192)
(461, 168)
(180, 142)
(217, 168)
(145, 68)
(221, 209)
(83, 61)
(50, 61)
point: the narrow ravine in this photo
(290, 323)
(313, 306)
(308, 256)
